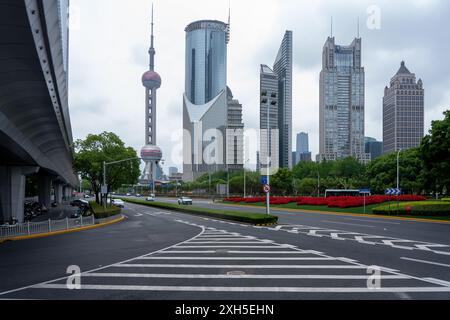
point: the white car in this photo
(150, 199)
(185, 201)
(118, 203)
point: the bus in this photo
(346, 193)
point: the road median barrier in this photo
(257, 219)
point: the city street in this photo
(156, 254)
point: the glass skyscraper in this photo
(209, 105)
(403, 112)
(283, 68)
(206, 60)
(342, 106)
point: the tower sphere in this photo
(151, 80)
(151, 153)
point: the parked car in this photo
(79, 203)
(118, 203)
(185, 201)
(128, 194)
(150, 199)
(87, 196)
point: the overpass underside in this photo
(35, 130)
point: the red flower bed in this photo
(332, 202)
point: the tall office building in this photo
(268, 117)
(403, 112)
(374, 148)
(209, 105)
(302, 152)
(283, 68)
(206, 60)
(342, 106)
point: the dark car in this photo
(78, 203)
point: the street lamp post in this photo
(398, 168)
(245, 179)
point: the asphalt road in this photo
(156, 254)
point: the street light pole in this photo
(398, 169)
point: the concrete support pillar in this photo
(45, 191)
(58, 193)
(12, 192)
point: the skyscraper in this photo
(206, 60)
(151, 153)
(403, 112)
(302, 152)
(268, 117)
(374, 147)
(283, 68)
(342, 106)
(209, 105)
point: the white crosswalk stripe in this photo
(237, 266)
(363, 238)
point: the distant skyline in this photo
(109, 39)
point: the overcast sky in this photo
(109, 40)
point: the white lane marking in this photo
(438, 281)
(237, 252)
(427, 262)
(225, 266)
(253, 247)
(246, 276)
(138, 215)
(101, 268)
(226, 242)
(248, 289)
(350, 224)
(240, 258)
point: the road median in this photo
(245, 217)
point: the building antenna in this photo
(358, 29)
(229, 21)
(331, 26)
(152, 49)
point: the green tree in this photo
(94, 150)
(282, 182)
(307, 186)
(435, 154)
(382, 172)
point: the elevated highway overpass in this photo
(35, 129)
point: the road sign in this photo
(266, 188)
(104, 189)
(393, 192)
(264, 180)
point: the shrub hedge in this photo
(430, 209)
(100, 212)
(252, 218)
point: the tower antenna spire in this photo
(331, 26)
(229, 21)
(358, 29)
(152, 51)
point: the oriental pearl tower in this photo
(151, 153)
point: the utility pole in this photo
(398, 168)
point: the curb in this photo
(49, 234)
(347, 214)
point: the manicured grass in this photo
(417, 209)
(100, 212)
(247, 217)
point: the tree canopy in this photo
(90, 154)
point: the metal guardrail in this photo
(32, 228)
